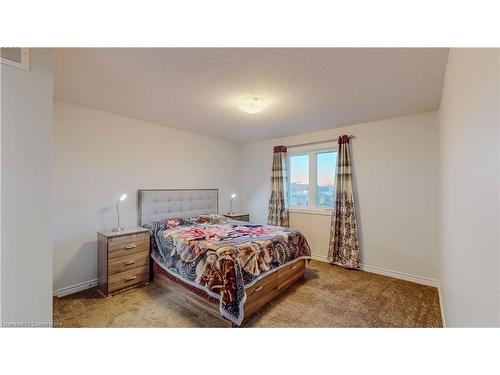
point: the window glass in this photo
(299, 180)
(325, 162)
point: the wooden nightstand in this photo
(240, 217)
(123, 260)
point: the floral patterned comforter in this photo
(223, 257)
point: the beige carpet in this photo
(328, 296)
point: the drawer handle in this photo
(131, 278)
(258, 289)
(128, 247)
(129, 262)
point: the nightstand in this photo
(240, 217)
(123, 260)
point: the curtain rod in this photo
(318, 142)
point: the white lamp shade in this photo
(233, 195)
(123, 197)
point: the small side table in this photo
(123, 260)
(239, 217)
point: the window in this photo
(325, 177)
(299, 180)
(312, 179)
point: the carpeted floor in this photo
(328, 296)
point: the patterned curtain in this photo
(344, 244)
(278, 205)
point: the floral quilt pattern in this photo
(223, 257)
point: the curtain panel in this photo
(344, 244)
(278, 206)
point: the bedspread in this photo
(223, 257)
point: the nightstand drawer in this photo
(125, 279)
(125, 263)
(239, 217)
(128, 245)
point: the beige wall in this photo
(26, 244)
(395, 165)
(98, 155)
(470, 165)
(316, 228)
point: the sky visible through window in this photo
(299, 180)
(326, 162)
(300, 169)
(326, 168)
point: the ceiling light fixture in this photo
(252, 104)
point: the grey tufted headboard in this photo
(159, 204)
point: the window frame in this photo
(312, 208)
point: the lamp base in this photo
(117, 229)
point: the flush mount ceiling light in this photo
(252, 104)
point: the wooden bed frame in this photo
(259, 294)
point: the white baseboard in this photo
(383, 271)
(441, 305)
(320, 258)
(400, 275)
(75, 288)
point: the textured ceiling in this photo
(308, 89)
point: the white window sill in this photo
(311, 211)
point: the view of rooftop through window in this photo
(301, 177)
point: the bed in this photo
(228, 268)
